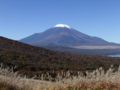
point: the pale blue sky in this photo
(21, 18)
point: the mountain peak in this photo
(62, 35)
(62, 25)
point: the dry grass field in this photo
(96, 80)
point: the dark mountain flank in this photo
(32, 60)
(63, 35)
(12, 45)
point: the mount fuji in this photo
(62, 35)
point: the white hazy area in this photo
(62, 25)
(97, 47)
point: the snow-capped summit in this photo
(62, 25)
(62, 35)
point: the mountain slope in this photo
(63, 35)
(31, 60)
(11, 45)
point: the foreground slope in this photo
(31, 60)
(11, 45)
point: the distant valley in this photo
(97, 47)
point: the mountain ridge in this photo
(63, 35)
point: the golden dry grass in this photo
(96, 80)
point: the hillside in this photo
(11, 45)
(31, 60)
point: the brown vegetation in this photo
(31, 60)
(54, 70)
(96, 80)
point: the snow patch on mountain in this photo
(62, 25)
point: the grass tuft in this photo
(96, 80)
